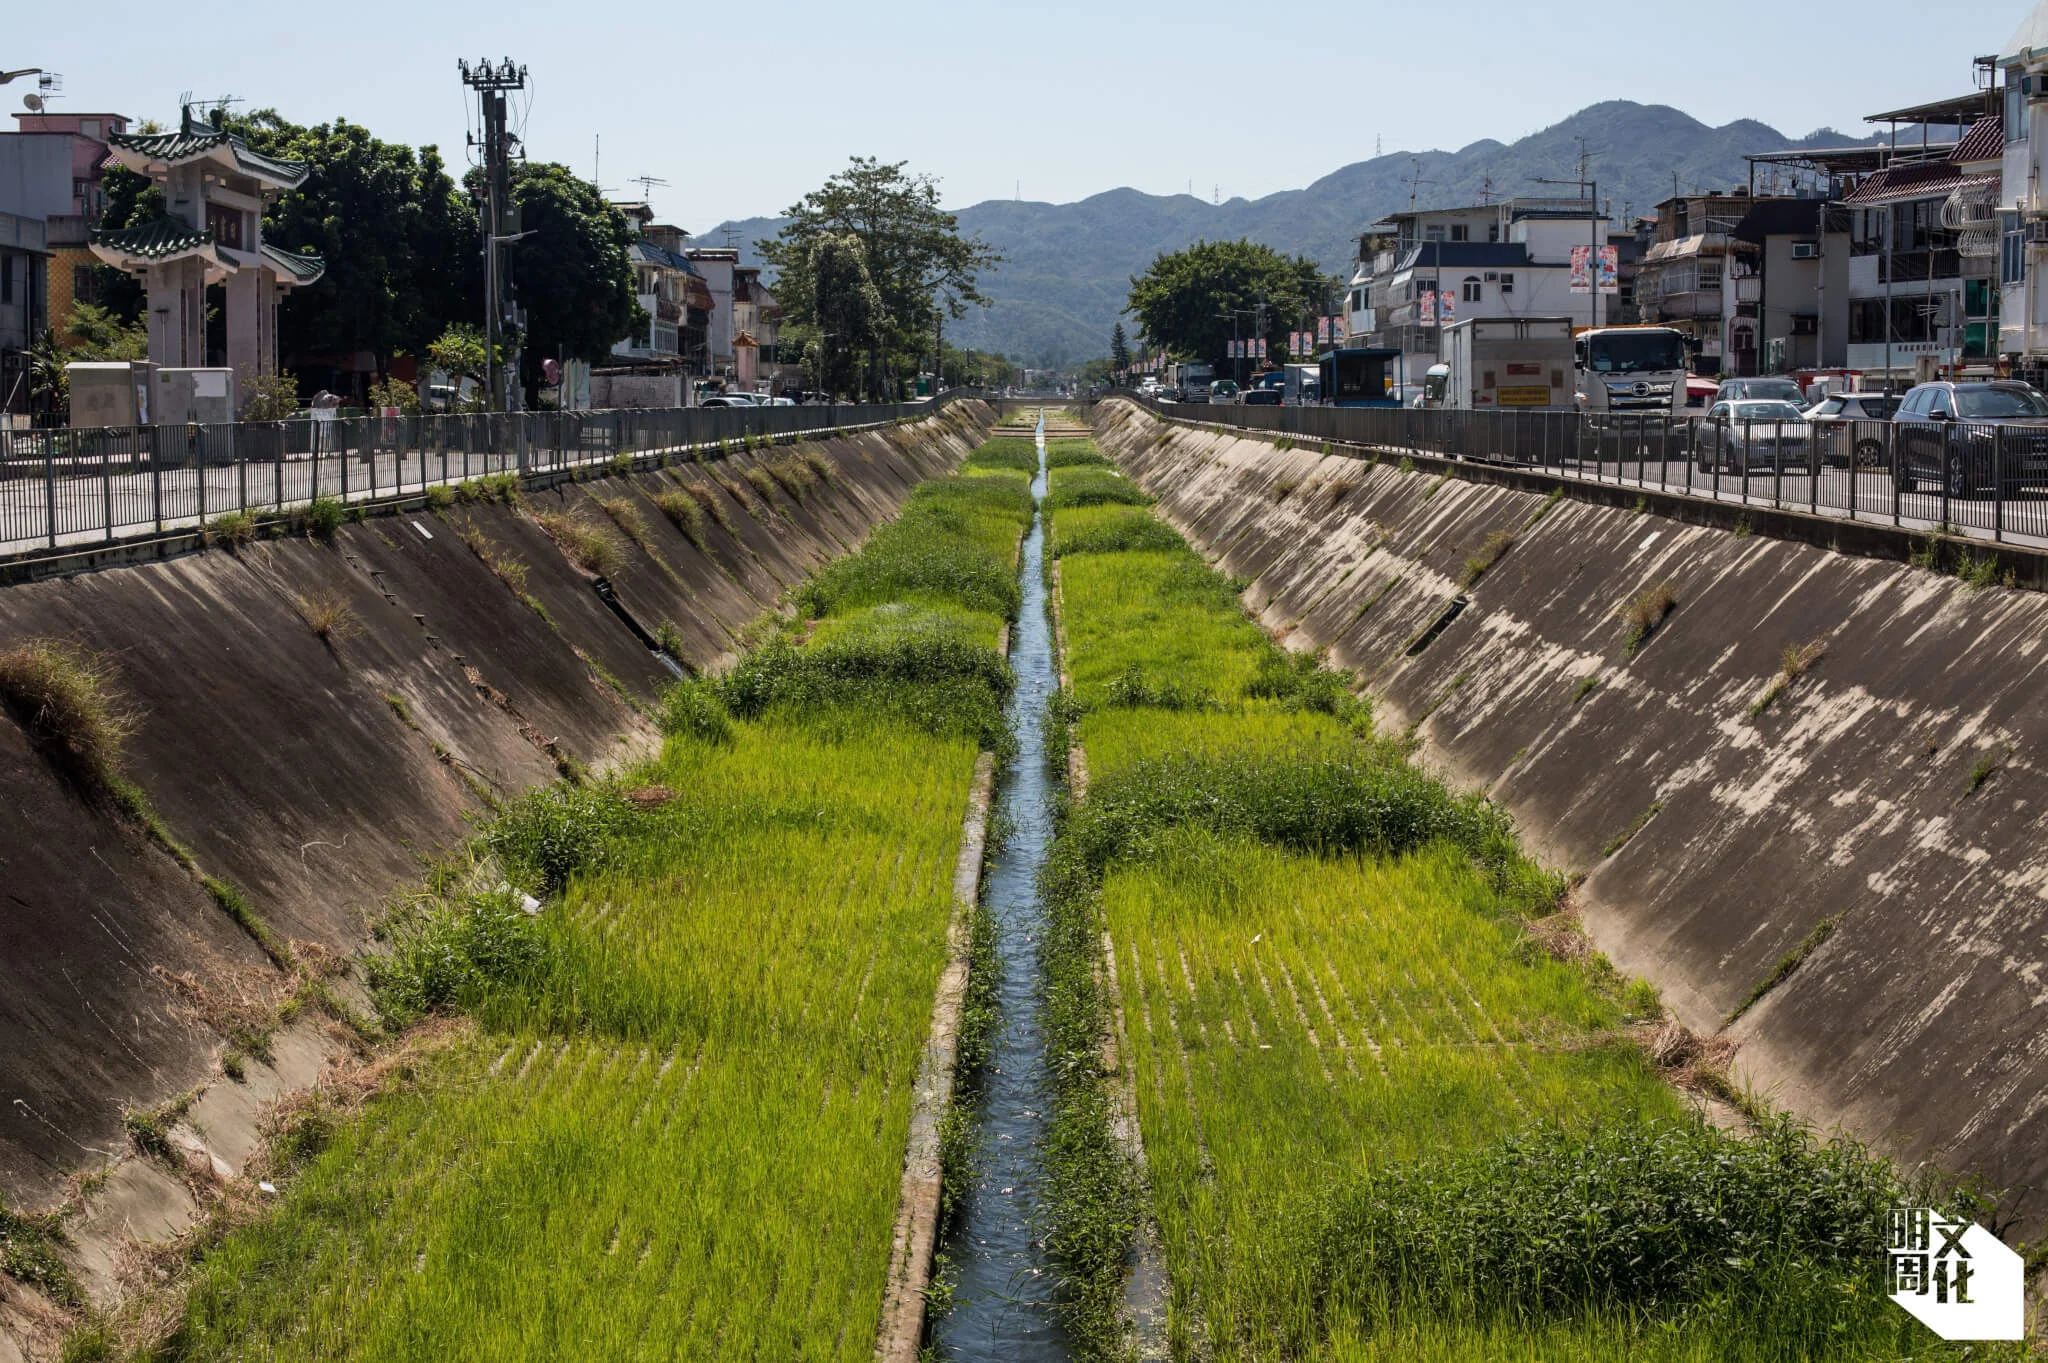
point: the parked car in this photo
(1843, 424)
(1223, 391)
(727, 400)
(1745, 390)
(1969, 437)
(1741, 436)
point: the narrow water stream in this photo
(1002, 1306)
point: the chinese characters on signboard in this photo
(1953, 1276)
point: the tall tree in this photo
(571, 269)
(399, 239)
(920, 265)
(1119, 350)
(844, 305)
(1190, 301)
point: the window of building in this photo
(1493, 231)
(2015, 105)
(1710, 274)
(1473, 288)
(1507, 283)
(85, 284)
(2012, 253)
(1806, 326)
(1433, 233)
(1459, 232)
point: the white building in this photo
(2023, 198)
(1511, 259)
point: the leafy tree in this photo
(461, 353)
(1186, 300)
(269, 397)
(844, 306)
(916, 259)
(1119, 350)
(399, 239)
(570, 271)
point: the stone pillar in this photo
(246, 306)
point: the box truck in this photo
(1506, 364)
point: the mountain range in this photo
(1067, 267)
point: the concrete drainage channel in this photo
(1003, 1304)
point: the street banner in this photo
(1322, 330)
(1425, 309)
(1610, 270)
(1582, 269)
(1340, 327)
(1447, 307)
(1262, 347)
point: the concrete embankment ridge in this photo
(1802, 787)
(312, 720)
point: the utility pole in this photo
(1590, 188)
(500, 215)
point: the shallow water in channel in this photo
(1002, 1305)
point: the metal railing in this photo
(74, 488)
(1984, 479)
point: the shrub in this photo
(440, 497)
(1131, 689)
(323, 516)
(1301, 683)
(501, 488)
(551, 833)
(67, 699)
(693, 709)
(1066, 454)
(922, 673)
(955, 540)
(448, 955)
(1625, 1217)
(231, 529)
(1006, 452)
(593, 548)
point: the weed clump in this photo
(920, 671)
(592, 547)
(30, 1251)
(1798, 659)
(440, 497)
(955, 541)
(327, 615)
(231, 529)
(1006, 452)
(1300, 682)
(693, 709)
(627, 517)
(1066, 454)
(323, 516)
(1113, 530)
(685, 512)
(67, 699)
(499, 488)
(549, 834)
(1774, 1233)
(1643, 612)
(1491, 552)
(1131, 689)
(447, 956)
(1094, 487)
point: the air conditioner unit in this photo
(2035, 83)
(2037, 232)
(1493, 276)
(1805, 250)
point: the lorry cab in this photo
(1436, 386)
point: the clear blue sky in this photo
(744, 107)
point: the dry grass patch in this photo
(69, 700)
(684, 512)
(1644, 612)
(327, 615)
(594, 548)
(627, 517)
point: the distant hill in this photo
(1067, 267)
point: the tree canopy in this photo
(919, 265)
(1188, 300)
(571, 271)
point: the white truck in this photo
(1631, 371)
(1190, 381)
(1504, 364)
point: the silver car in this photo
(1757, 434)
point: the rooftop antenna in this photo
(647, 184)
(1486, 190)
(49, 84)
(1378, 145)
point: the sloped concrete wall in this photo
(318, 775)
(1858, 797)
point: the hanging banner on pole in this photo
(1446, 307)
(1610, 270)
(1339, 328)
(1582, 269)
(1425, 309)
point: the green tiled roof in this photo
(197, 138)
(302, 269)
(158, 240)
